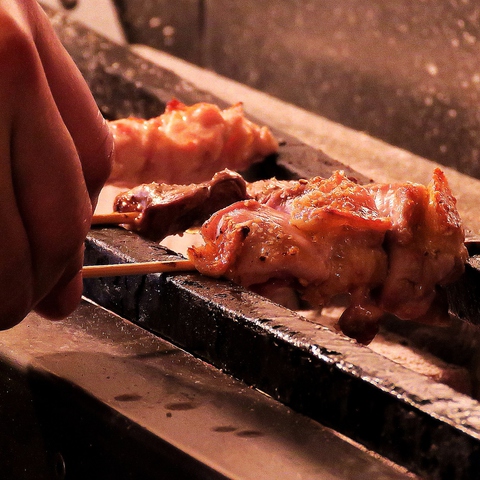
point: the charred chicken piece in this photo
(186, 144)
(170, 209)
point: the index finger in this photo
(89, 130)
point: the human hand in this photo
(55, 155)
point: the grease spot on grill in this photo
(180, 406)
(249, 434)
(224, 429)
(128, 397)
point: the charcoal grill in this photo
(332, 409)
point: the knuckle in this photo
(97, 163)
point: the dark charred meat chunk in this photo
(170, 209)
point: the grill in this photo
(420, 425)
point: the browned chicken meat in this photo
(389, 247)
(425, 245)
(171, 209)
(186, 144)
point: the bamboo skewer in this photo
(114, 218)
(139, 268)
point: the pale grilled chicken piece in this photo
(389, 247)
(251, 243)
(186, 144)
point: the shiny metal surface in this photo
(106, 399)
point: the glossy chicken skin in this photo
(389, 247)
(323, 237)
(425, 245)
(251, 243)
(187, 144)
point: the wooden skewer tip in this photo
(140, 268)
(115, 218)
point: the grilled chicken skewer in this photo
(187, 144)
(389, 247)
